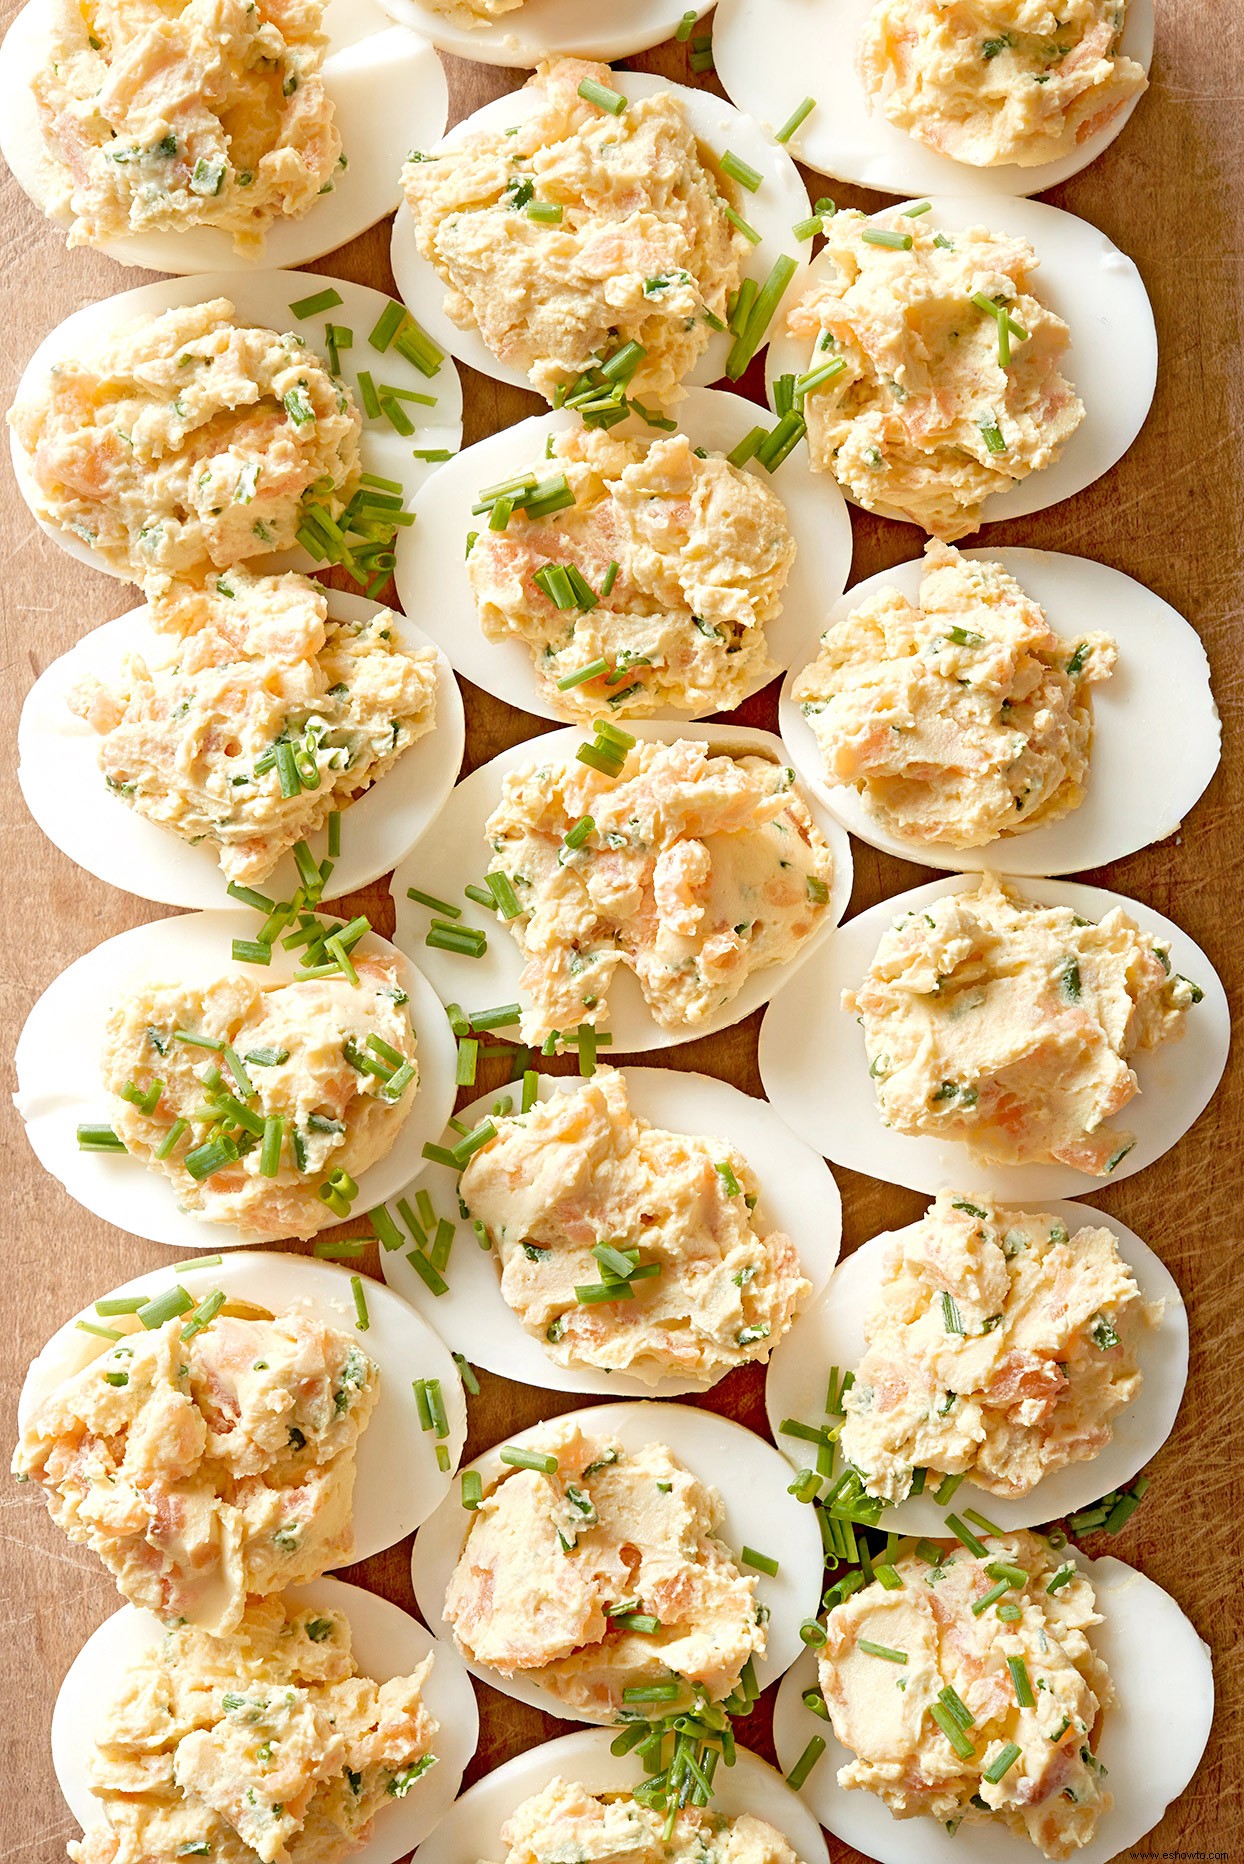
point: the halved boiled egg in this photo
(387, 90)
(385, 1642)
(435, 587)
(752, 1480)
(523, 32)
(1148, 1645)
(59, 1086)
(1083, 278)
(271, 300)
(399, 1341)
(1156, 735)
(68, 797)
(778, 203)
(771, 54)
(472, 1827)
(816, 1072)
(831, 1334)
(798, 1196)
(455, 852)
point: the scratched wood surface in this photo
(1169, 193)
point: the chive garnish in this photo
(1022, 1682)
(741, 171)
(759, 1561)
(1001, 1763)
(599, 94)
(950, 1727)
(167, 1306)
(437, 906)
(797, 116)
(806, 1762)
(472, 1489)
(322, 301)
(885, 236)
(539, 1460)
(880, 1650)
(100, 1138)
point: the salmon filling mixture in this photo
(266, 1744)
(566, 1821)
(950, 387)
(199, 739)
(992, 81)
(708, 1285)
(207, 1469)
(641, 251)
(1010, 1025)
(965, 1714)
(327, 1067)
(698, 870)
(608, 1573)
(189, 440)
(159, 115)
(961, 718)
(685, 560)
(1000, 1345)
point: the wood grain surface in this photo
(1169, 192)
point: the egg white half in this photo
(1154, 1655)
(815, 1071)
(471, 1829)
(432, 578)
(399, 1341)
(749, 1474)
(1156, 732)
(550, 29)
(454, 854)
(780, 201)
(386, 1641)
(66, 794)
(770, 54)
(831, 1333)
(797, 1195)
(388, 91)
(1112, 361)
(262, 299)
(59, 1085)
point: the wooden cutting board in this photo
(1170, 193)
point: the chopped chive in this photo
(169, 1142)
(249, 897)
(104, 1333)
(435, 1282)
(345, 1249)
(806, 1762)
(812, 1633)
(531, 1089)
(807, 229)
(204, 1314)
(468, 1059)
(100, 1139)
(947, 1488)
(1023, 1683)
(472, 1489)
(539, 1460)
(741, 171)
(442, 1458)
(744, 227)
(989, 1598)
(746, 447)
(653, 1692)
(592, 671)
(793, 121)
(978, 1520)
(965, 1534)
(1001, 1763)
(436, 1406)
(466, 1149)
(887, 237)
(949, 1726)
(549, 212)
(387, 326)
(120, 1304)
(167, 1306)
(760, 1561)
(686, 26)
(466, 1373)
(322, 301)
(437, 906)
(502, 890)
(880, 1650)
(950, 1314)
(270, 1145)
(390, 1237)
(368, 395)
(956, 1706)
(599, 94)
(748, 341)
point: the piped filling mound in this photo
(950, 386)
(1010, 1025)
(206, 1457)
(1000, 1345)
(587, 229)
(565, 1821)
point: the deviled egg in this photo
(404, 1726)
(958, 697)
(644, 901)
(743, 1217)
(775, 56)
(1123, 1638)
(1025, 1096)
(233, 471)
(713, 570)
(1095, 1393)
(178, 1477)
(618, 226)
(139, 747)
(314, 1073)
(998, 356)
(693, 1515)
(183, 141)
(524, 32)
(561, 1778)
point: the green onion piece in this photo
(472, 1489)
(345, 1249)
(965, 1534)
(812, 1633)
(539, 1460)
(793, 121)
(807, 229)
(958, 1708)
(120, 1304)
(600, 95)
(748, 341)
(249, 897)
(744, 227)
(989, 1598)
(167, 1306)
(747, 446)
(806, 1762)
(531, 1089)
(888, 1576)
(100, 1139)
(387, 326)
(885, 236)
(170, 1140)
(947, 1488)
(270, 1145)
(549, 212)
(653, 1692)
(1001, 1763)
(952, 1731)
(322, 301)
(468, 1058)
(686, 26)
(466, 1373)
(593, 671)
(436, 906)
(1022, 1682)
(760, 1561)
(389, 1235)
(880, 1650)
(992, 434)
(741, 171)
(436, 1405)
(978, 1520)
(204, 1161)
(435, 1282)
(204, 1314)
(104, 1333)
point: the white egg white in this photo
(471, 1830)
(543, 29)
(66, 794)
(777, 205)
(434, 586)
(59, 1085)
(262, 299)
(388, 92)
(385, 1509)
(1154, 1656)
(831, 1333)
(454, 854)
(797, 1196)
(1113, 358)
(1156, 732)
(770, 54)
(752, 1479)
(815, 1071)
(386, 1642)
